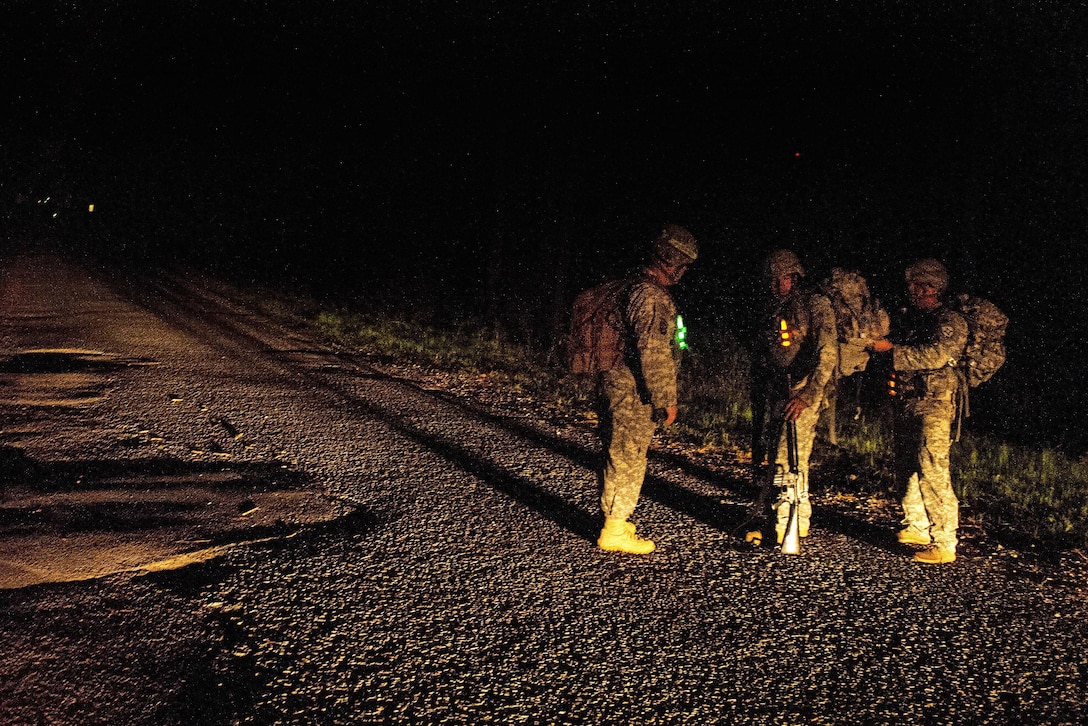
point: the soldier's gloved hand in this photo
(664, 416)
(880, 345)
(795, 408)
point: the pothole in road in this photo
(64, 522)
(67, 360)
(60, 377)
(74, 538)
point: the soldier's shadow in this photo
(729, 518)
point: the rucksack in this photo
(596, 340)
(859, 318)
(985, 351)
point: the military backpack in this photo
(596, 340)
(985, 351)
(859, 318)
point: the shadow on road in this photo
(708, 509)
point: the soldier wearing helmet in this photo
(640, 395)
(793, 365)
(674, 249)
(929, 341)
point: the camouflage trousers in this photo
(786, 485)
(626, 429)
(922, 443)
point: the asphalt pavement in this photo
(429, 557)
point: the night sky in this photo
(392, 149)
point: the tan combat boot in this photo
(619, 535)
(912, 535)
(936, 556)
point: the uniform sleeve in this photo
(946, 349)
(652, 316)
(823, 334)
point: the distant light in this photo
(54, 215)
(90, 207)
(796, 154)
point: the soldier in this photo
(793, 363)
(640, 394)
(932, 341)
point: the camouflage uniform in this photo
(804, 369)
(925, 388)
(632, 393)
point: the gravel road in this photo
(446, 573)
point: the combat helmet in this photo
(928, 271)
(783, 262)
(675, 245)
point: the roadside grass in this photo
(1038, 492)
(1032, 493)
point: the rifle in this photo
(791, 542)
